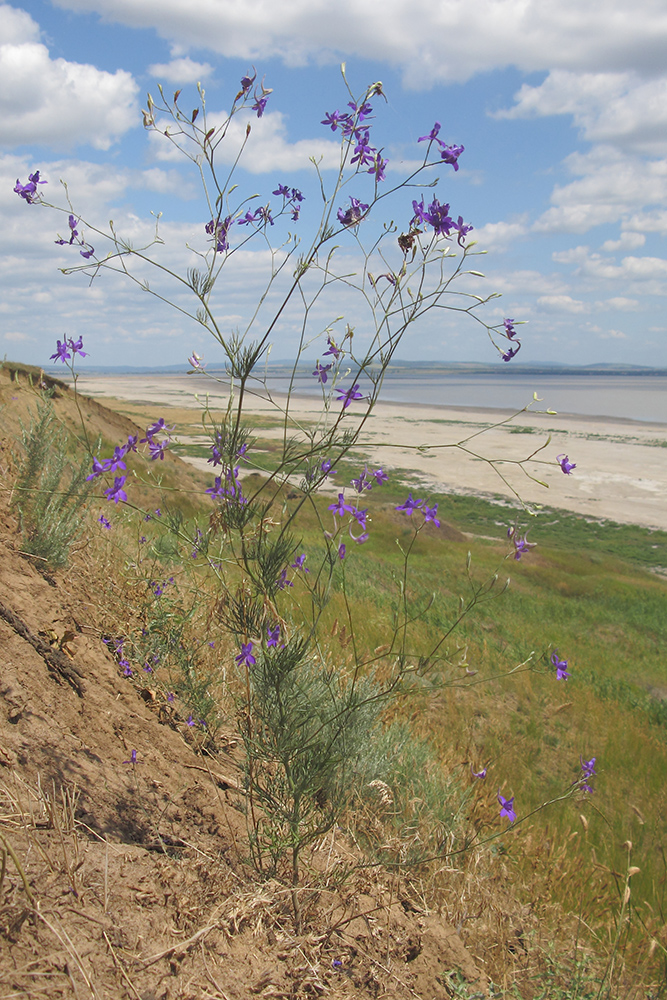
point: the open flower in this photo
(507, 807)
(566, 465)
(561, 667)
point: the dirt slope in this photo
(127, 879)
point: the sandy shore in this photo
(621, 471)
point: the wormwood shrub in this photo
(50, 492)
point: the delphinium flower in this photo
(116, 492)
(587, 772)
(561, 667)
(507, 807)
(430, 514)
(247, 82)
(450, 154)
(511, 352)
(127, 669)
(347, 397)
(321, 372)
(327, 468)
(340, 507)
(61, 354)
(353, 215)
(341, 551)
(283, 582)
(409, 505)
(195, 361)
(380, 476)
(105, 522)
(521, 544)
(218, 230)
(272, 635)
(333, 350)
(29, 191)
(133, 758)
(362, 482)
(510, 332)
(245, 657)
(478, 774)
(299, 563)
(566, 465)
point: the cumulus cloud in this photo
(532, 35)
(562, 303)
(499, 236)
(180, 71)
(613, 335)
(54, 102)
(628, 241)
(618, 303)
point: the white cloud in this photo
(619, 304)
(628, 241)
(613, 335)
(533, 34)
(648, 222)
(623, 108)
(268, 150)
(499, 236)
(180, 71)
(54, 102)
(562, 303)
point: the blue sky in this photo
(561, 106)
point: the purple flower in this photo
(283, 582)
(245, 657)
(565, 464)
(362, 483)
(380, 476)
(158, 427)
(260, 105)
(334, 350)
(116, 462)
(190, 720)
(157, 450)
(511, 351)
(62, 354)
(327, 468)
(433, 134)
(378, 168)
(521, 545)
(195, 361)
(430, 514)
(409, 505)
(587, 772)
(104, 521)
(462, 229)
(510, 332)
(346, 397)
(133, 758)
(127, 669)
(478, 774)
(341, 551)
(116, 492)
(218, 229)
(299, 563)
(73, 223)
(29, 191)
(363, 152)
(507, 807)
(333, 120)
(283, 190)
(247, 82)
(450, 154)
(561, 667)
(340, 508)
(353, 215)
(321, 372)
(272, 635)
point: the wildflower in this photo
(260, 105)
(29, 191)
(430, 514)
(73, 222)
(521, 545)
(116, 492)
(62, 354)
(299, 563)
(341, 551)
(362, 483)
(340, 507)
(157, 450)
(353, 215)
(561, 667)
(190, 720)
(283, 190)
(321, 372)
(245, 657)
(380, 476)
(507, 807)
(333, 120)
(450, 154)
(478, 774)
(195, 361)
(160, 426)
(347, 397)
(587, 771)
(247, 82)
(327, 469)
(133, 758)
(272, 635)
(363, 152)
(116, 462)
(218, 229)
(510, 332)
(462, 229)
(283, 582)
(104, 521)
(433, 134)
(511, 352)
(566, 465)
(142, 540)
(170, 696)
(334, 350)
(127, 669)
(409, 505)
(98, 469)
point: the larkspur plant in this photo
(307, 721)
